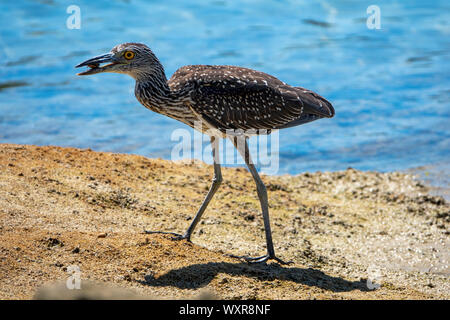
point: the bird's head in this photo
(134, 59)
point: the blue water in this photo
(390, 87)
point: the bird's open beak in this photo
(94, 64)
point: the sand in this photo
(350, 234)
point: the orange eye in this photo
(129, 55)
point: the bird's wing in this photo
(231, 98)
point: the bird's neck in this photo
(153, 91)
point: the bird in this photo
(222, 101)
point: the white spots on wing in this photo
(237, 96)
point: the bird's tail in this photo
(315, 104)
(315, 107)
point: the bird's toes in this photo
(262, 259)
(179, 237)
(267, 258)
(163, 232)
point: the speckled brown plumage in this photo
(233, 98)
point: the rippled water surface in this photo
(390, 87)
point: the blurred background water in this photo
(390, 87)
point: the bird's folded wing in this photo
(255, 105)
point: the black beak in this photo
(94, 64)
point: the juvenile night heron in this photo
(225, 99)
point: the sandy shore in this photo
(346, 232)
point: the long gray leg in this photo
(217, 180)
(242, 147)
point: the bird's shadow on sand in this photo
(199, 275)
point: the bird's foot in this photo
(176, 236)
(262, 259)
